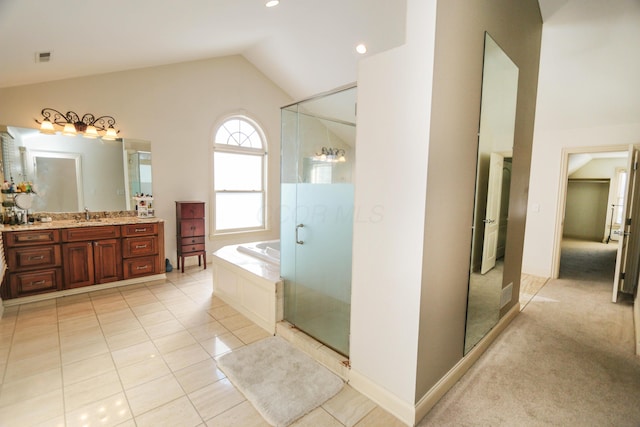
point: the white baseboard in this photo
(410, 414)
(383, 398)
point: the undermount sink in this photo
(82, 221)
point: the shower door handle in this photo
(298, 241)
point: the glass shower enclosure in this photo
(317, 209)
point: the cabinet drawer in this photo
(139, 246)
(185, 241)
(34, 257)
(30, 238)
(90, 233)
(191, 227)
(192, 248)
(139, 229)
(34, 282)
(191, 210)
(142, 266)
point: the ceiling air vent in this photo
(43, 56)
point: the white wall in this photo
(391, 150)
(545, 182)
(176, 108)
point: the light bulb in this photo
(69, 130)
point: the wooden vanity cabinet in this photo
(190, 231)
(33, 263)
(40, 261)
(92, 255)
(141, 248)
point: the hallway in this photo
(567, 359)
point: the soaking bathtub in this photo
(247, 277)
(268, 250)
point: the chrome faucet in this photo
(86, 214)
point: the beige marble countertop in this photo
(72, 223)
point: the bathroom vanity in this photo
(72, 256)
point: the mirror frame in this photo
(495, 143)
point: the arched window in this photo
(239, 163)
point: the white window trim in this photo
(227, 148)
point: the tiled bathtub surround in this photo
(139, 355)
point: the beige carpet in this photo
(566, 360)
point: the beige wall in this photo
(516, 27)
(176, 107)
(418, 115)
(586, 210)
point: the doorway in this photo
(591, 211)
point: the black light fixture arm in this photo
(55, 116)
(101, 123)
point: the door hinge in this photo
(622, 276)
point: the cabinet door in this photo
(78, 264)
(191, 210)
(191, 227)
(107, 260)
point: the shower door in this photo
(317, 219)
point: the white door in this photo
(626, 273)
(492, 214)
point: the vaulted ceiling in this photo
(304, 46)
(590, 64)
(588, 75)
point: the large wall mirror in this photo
(71, 173)
(493, 179)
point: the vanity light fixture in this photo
(330, 155)
(88, 125)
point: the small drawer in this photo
(139, 246)
(90, 233)
(139, 229)
(30, 238)
(34, 257)
(141, 266)
(35, 282)
(192, 241)
(192, 248)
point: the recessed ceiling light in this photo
(361, 49)
(272, 3)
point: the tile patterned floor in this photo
(140, 355)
